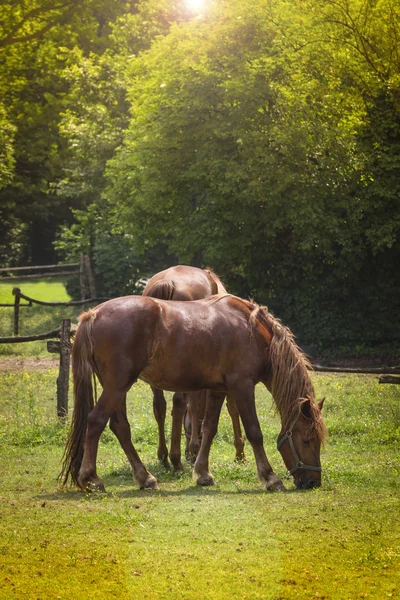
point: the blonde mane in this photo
(290, 383)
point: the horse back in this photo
(177, 346)
(183, 283)
(200, 344)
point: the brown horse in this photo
(223, 344)
(187, 283)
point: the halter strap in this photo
(298, 463)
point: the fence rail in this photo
(43, 303)
(31, 338)
(36, 268)
(18, 295)
(83, 268)
(41, 268)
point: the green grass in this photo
(35, 319)
(235, 540)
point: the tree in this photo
(63, 73)
(38, 40)
(6, 148)
(230, 145)
(244, 152)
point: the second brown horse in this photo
(186, 283)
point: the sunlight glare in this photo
(195, 6)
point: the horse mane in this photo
(291, 383)
(163, 290)
(216, 282)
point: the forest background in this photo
(260, 137)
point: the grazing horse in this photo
(223, 344)
(186, 283)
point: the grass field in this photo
(235, 540)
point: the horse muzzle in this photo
(307, 481)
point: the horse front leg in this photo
(119, 425)
(238, 440)
(243, 394)
(159, 410)
(179, 403)
(210, 426)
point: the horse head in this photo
(300, 444)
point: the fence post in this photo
(82, 276)
(89, 272)
(17, 293)
(63, 376)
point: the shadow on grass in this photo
(195, 491)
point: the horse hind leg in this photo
(187, 426)
(194, 416)
(160, 409)
(210, 426)
(96, 422)
(179, 403)
(119, 425)
(238, 440)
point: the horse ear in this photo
(321, 403)
(306, 409)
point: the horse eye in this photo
(307, 442)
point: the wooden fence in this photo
(83, 268)
(62, 346)
(63, 334)
(18, 295)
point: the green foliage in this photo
(261, 139)
(118, 266)
(48, 51)
(6, 149)
(263, 162)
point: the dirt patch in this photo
(32, 363)
(360, 362)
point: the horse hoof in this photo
(275, 486)
(163, 458)
(240, 458)
(95, 486)
(205, 480)
(190, 458)
(150, 483)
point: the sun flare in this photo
(195, 6)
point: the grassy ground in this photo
(35, 319)
(339, 542)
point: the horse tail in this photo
(162, 289)
(82, 370)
